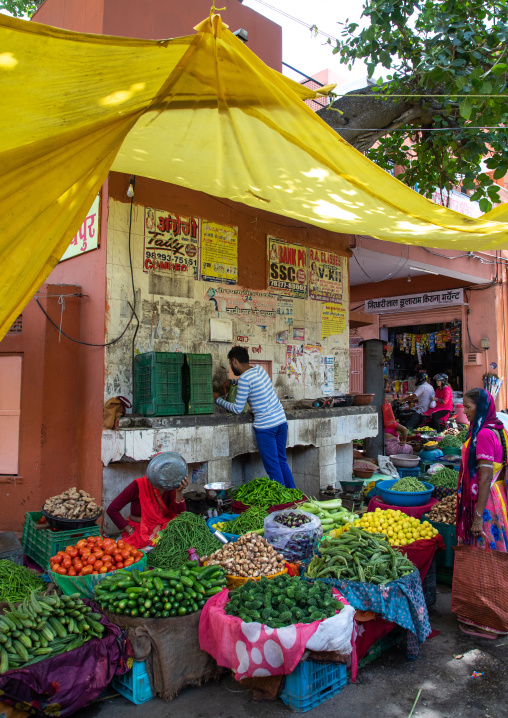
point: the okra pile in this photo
(45, 626)
(359, 556)
(161, 593)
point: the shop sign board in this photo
(219, 253)
(413, 302)
(171, 243)
(287, 268)
(87, 237)
(325, 276)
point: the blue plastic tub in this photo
(212, 522)
(404, 498)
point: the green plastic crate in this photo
(197, 384)
(446, 558)
(158, 384)
(41, 544)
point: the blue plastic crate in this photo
(312, 683)
(409, 472)
(217, 520)
(135, 685)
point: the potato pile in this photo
(444, 511)
(250, 556)
(72, 504)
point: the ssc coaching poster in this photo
(287, 273)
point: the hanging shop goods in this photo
(94, 555)
(183, 532)
(283, 601)
(45, 626)
(161, 593)
(359, 556)
(72, 504)
(398, 528)
(427, 343)
(444, 512)
(265, 492)
(250, 556)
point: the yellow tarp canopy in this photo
(200, 111)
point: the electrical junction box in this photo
(473, 359)
(485, 343)
(221, 330)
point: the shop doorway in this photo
(429, 348)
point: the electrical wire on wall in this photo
(78, 294)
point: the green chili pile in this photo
(446, 478)
(251, 520)
(408, 483)
(264, 492)
(183, 532)
(17, 582)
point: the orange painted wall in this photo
(161, 19)
(61, 390)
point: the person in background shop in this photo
(151, 508)
(482, 502)
(270, 424)
(424, 396)
(393, 443)
(444, 403)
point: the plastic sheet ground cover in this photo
(401, 602)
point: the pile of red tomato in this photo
(94, 555)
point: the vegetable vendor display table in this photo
(416, 511)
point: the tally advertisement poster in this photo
(219, 253)
(325, 276)
(171, 243)
(287, 268)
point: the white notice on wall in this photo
(87, 237)
(327, 375)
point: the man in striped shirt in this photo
(270, 424)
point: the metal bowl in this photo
(166, 470)
(219, 491)
(405, 461)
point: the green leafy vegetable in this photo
(408, 483)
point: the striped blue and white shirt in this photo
(255, 386)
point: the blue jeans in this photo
(272, 447)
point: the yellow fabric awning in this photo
(200, 111)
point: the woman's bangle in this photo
(479, 515)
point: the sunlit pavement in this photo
(387, 688)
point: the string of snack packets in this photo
(419, 344)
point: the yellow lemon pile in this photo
(399, 528)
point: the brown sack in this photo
(480, 586)
(113, 409)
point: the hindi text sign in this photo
(219, 253)
(171, 243)
(325, 276)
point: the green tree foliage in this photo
(19, 8)
(446, 64)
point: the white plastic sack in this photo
(387, 468)
(295, 543)
(334, 634)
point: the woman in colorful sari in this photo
(482, 503)
(152, 505)
(395, 433)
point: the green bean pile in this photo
(183, 532)
(359, 556)
(17, 582)
(408, 483)
(462, 435)
(446, 478)
(264, 492)
(251, 520)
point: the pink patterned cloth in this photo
(252, 649)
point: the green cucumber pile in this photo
(184, 531)
(282, 601)
(161, 593)
(446, 478)
(45, 626)
(358, 555)
(408, 483)
(265, 492)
